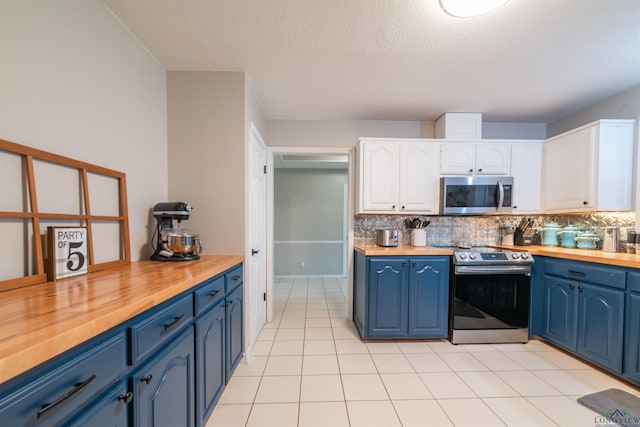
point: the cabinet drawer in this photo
(633, 279)
(49, 399)
(209, 294)
(153, 330)
(584, 272)
(233, 278)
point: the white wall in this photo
(309, 221)
(501, 130)
(75, 82)
(206, 118)
(320, 133)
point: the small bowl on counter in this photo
(587, 241)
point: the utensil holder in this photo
(418, 237)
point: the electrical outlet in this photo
(301, 265)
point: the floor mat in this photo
(617, 406)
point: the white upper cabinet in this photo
(526, 169)
(460, 126)
(469, 158)
(398, 176)
(590, 168)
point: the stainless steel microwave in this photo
(476, 195)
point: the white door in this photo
(457, 158)
(492, 159)
(256, 256)
(526, 169)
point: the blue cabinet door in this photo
(600, 317)
(428, 297)
(210, 360)
(560, 312)
(632, 341)
(164, 387)
(387, 311)
(233, 335)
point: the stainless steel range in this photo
(489, 296)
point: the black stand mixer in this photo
(174, 244)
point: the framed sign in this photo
(67, 249)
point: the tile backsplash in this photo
(483, 230)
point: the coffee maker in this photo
(174, 244)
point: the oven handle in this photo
(501, 196)
(492, 269)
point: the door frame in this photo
(273, 151)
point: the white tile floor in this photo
(309, 368)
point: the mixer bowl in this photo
(183, 242)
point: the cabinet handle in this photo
(571, 286)
(576, 273)
(173, 323)
(146, 379)
(413, 263)
(402, 206)
(76, 388)
(393, 207)
(213, 294)
(237, 277)
(228, 303)
(585, 203)
(126, 398)
(480, 170)
(470, 170)
(580, 288)
(515, 207)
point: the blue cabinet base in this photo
(401, 297)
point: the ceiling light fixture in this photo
(468, 8)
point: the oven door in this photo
(475, 195)
(490, 308)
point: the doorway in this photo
(299, 241)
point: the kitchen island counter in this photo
(42, 321)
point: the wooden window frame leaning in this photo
(28, 155)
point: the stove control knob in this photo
(515, 256)
(524, 256)
(472, 256)
(463, 256)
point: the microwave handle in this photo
(500, 195)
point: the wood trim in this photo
(30, 154)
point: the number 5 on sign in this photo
(67, 249)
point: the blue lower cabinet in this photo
(561, 315)
(600, 325)
(428, 297)
(233, 335)
(387, 289)
(164, 388)
(585, 319)
(401, 297)
(632, 341)
(110, 411)
(210, 360)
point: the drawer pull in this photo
(580, 288)
(213, 294)
(577, 273)
(77, 387)
(235, 278)
(173, 323)
(571, 286)
(146, 379)
(126, 398)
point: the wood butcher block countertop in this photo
(42, 321)
(617, 259)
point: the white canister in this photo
(418, 237)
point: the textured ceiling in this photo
(529, 61)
